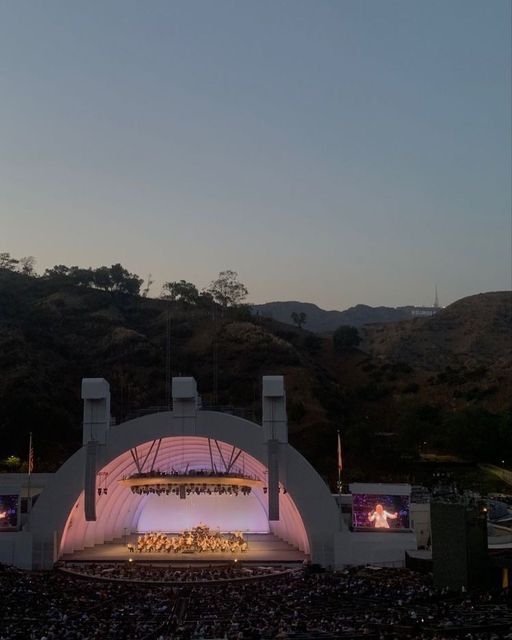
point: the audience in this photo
(168, 573)
(378, 604)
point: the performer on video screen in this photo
(380, 517)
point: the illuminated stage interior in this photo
(126, 507)
(265, 548)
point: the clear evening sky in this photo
(333, 152)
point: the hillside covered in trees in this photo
(72, 323)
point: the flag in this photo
(30, 456)
(340, 461)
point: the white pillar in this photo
(96, 397)
(275, 433)
(184, 405)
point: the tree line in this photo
(226, 290)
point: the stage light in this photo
(191, 483)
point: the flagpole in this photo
(339, 463)
(30, 463)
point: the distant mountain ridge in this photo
(321, 320)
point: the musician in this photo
(380, 517)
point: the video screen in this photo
(9, 512)
(380, 512)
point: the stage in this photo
(263, 548)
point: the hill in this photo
(322, 321)
(54, 332)
(474, 331)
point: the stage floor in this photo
(263, 548)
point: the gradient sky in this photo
(336, 152)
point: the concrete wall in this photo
(16, 549)
(380, 548)
(420, 522)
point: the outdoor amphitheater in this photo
(190, 523)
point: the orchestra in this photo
(198, 540)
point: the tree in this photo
(27, 265)
(7, 262)
(345, 337)
(116, 279)
(124, 281)
(81, 277)
(149, 283)
(227, 290)
(205, 300)
(299, 318)
(312, 342)
(182, 291)
(58, 271)
(102, 279)
(11, 463)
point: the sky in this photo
(329, 151)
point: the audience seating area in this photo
(374, 604)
